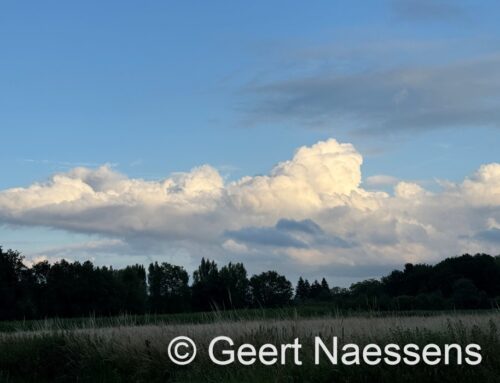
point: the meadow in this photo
(134, 348)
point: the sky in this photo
(334, 138)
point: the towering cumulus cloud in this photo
(323, 175)
(309, 211)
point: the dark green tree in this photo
(132, 289)
(168, 288)
(325, 293)
(303, 290)
(466, 295)
(207, 288)
(315, 290)
(15, 297)
(270, 289)
(235, 284)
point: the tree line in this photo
(72, 289)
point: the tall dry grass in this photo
(124, 352)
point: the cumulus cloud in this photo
(290, 234)
(90, 248)
(408, 190)
(309, 212)
(267, 236)
(381, 180)
(326, 174)
(491, 235)
(483, 188)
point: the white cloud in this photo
(483, 188)
(86, 249)
(234, 246)
(324, 175)
(381, 180)
(309, 211)
(409, 190)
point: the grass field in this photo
(134, 349)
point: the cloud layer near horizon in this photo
(309, 211)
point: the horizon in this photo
(294, 283)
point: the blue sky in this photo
(160, 87)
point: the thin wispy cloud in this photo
(60, 164)
(464, 93)
(428, 10)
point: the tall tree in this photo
(235, 284)
(303, 290)
(132, 286)
(315, 290)
(207, 287)
(168, 288)
(14, 289)
(325, 293)
(270, 289)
